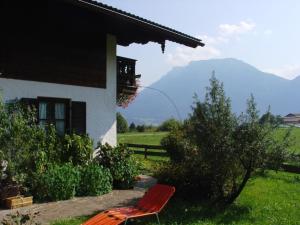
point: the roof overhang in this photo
(129, 28)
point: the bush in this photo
(56, 183)
(141, 128)
(77, 149)
(30, 155)
(122, 125)
(169, 125)
(215, 153)
(120, 162)
(94, 180)
(176, 146)
(124, 173)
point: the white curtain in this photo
(42, 111)
(60, 118)
(59, 111)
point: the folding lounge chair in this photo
(151, 204)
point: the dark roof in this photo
(145, 30)
(293, 115)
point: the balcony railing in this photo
(126, 79)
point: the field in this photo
(295, 138)
(148, 138)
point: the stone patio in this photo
(84, 206)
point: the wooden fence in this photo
(146, 148)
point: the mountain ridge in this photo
(240, 81)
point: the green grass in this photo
(155, 158)
(295, 135)
(273, 199)
(147, 138)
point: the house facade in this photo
(292, 119)
(60, 57)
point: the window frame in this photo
(52, 120)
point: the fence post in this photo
(146, 152)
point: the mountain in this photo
(174, 91)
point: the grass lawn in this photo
(295, 135)
(155, 158)
(147, 138)
(273, 199)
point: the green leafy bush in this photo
(176, 146)
(169, 125)
(141, 128)
(59, 182)
(124, 173)
(77, 149)
(94, 180)
(119, 160)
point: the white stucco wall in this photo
(100, 103)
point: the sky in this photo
(265, 34)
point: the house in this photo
(60, 56)
(292, 119)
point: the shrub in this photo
(141, 128)
(94, 180)
(120, 162)
(122, 125)
(169, 125)
(56, 183)
(176, 146)
(124, 173)
(28, 152)
(18, 137)
(77, 149)
(217, 151)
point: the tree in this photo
(141, 128)
(122, 125)
(170, 124)
(132, 127)
(220, 151)
(268, 117)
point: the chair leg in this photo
(157, 218)
(125, 221)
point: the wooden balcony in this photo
(127, 84)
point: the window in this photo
(66, 115)
(53, 111)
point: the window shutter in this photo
(78, 117)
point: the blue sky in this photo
(264, 34)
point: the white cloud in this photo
(286, 71)
(226, 32)
(236, 29)
(183, 55)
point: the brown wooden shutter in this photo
(78, 117)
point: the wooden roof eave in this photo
(155, 32)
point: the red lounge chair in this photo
(151, 204)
